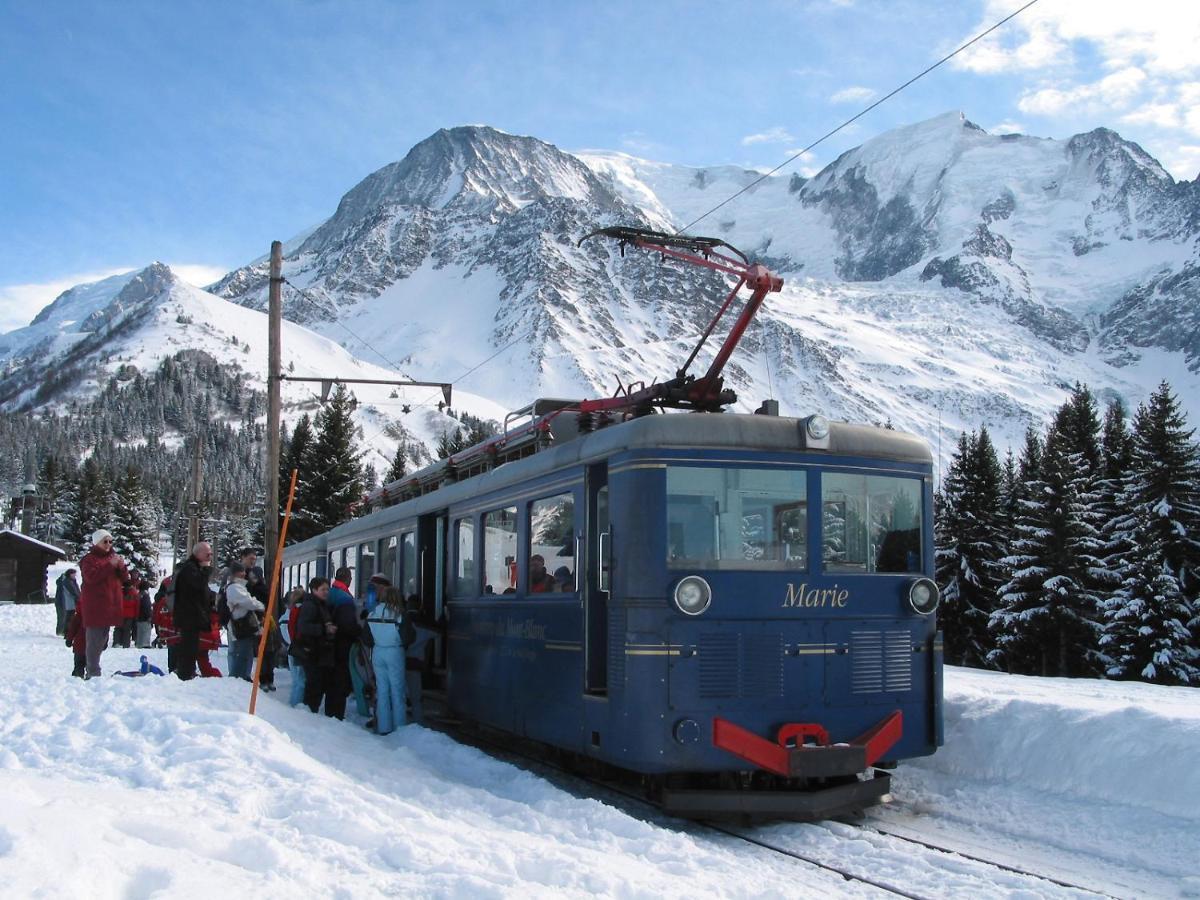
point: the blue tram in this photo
(736, 609)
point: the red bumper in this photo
(791, 757)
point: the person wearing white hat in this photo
(104, 580)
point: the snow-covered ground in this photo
(145, 787)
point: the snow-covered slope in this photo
(936, 274)
(135, 320)
(138, 787)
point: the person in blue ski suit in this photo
(386, 621)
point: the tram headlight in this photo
(692, 595)
(924, 596)
(818, 428)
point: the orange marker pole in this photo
(276, 568)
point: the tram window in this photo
(737, 518)
(408, 559)
(500, 551)
(870, 523)
(464, 571)
(389, 549)
(552, 545)
(366, 568)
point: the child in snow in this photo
(77, 641)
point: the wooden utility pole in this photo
(194, 504)
(274, 401)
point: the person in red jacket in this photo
(104, 578)
(130, 599)
(209, 640)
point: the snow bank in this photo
(1122, 743)
(122, 787)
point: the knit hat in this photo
(100, 534)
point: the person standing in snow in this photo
(77, 641)
(314, 644)
(344, 615)
(104, 580)
(145, 614)
(295, 651)
(385, 623)
(66, 595)
(244, 622)
(193, 608)
(123, 635)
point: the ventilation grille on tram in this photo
(881, 662)
(737, 666)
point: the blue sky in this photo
(197, 132)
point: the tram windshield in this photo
(870, 523)
(736, 518)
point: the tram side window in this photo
(389, 553)
(366, 568)
(464, 564)
(870, 523)
(737, 518)
(500, 551)
(408, 560)
(552, 545)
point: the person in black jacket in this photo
(193, 608)
(315, 636)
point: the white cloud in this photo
(1159, 36)
(776, 135)
(1163, 115)
(1113, 92)
(1008, 126)
(1132, 63)
(20, 303)
(855, 94)
(806, 161)
(1183, 161)
(198, 274)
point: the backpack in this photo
(224, 616)
(167, 589)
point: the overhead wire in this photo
(857, 116)
(799, 153)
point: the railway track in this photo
(584, 785)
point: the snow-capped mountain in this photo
(938, 276)
(136, 319)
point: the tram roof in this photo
(677, 431)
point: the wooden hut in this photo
(23, 563)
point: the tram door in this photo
(596, 584)
(431, 543)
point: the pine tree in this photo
(452, 441)
(1146, 634)
(1017, 621)
(54, 487)
(90, 507)
(134, 524)
(969, 548)
(1160, 565)
(335, 480)
(299, 457)
(399, 465)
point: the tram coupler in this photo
(791, 756)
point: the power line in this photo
(854, 118)
(362, 340)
